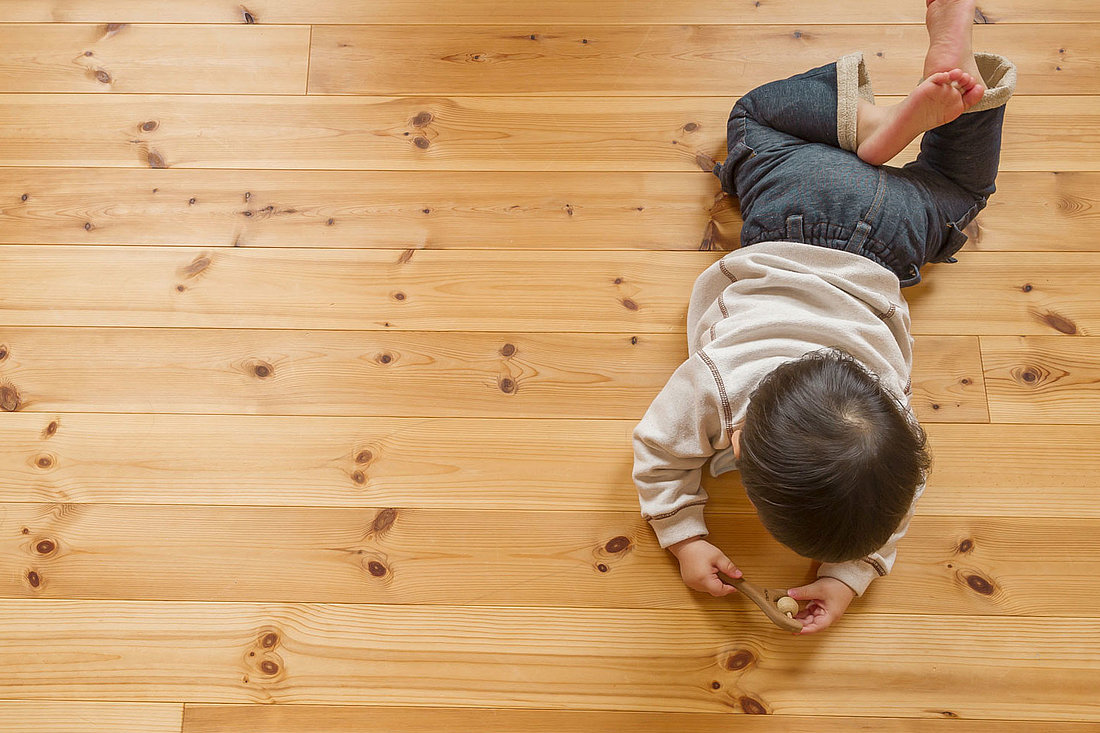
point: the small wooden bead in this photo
(787, 605)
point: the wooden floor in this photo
(324, 325)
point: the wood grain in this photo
(529, 11)
(348, 373)
(452, 133)
(656, 60)
(352, 719)
(1044, 379)
(1009, 566)
(473, 464)
(1031, 211)
(994, 293)
(347, 289)
(165, 59)
(58, 716)
(1040, 212)
(1018, 293)
(555, 657)
(384, 209)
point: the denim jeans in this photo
(796, 183)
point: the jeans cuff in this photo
(852, 84)
(999, 75)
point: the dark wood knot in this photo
(691, 127)
(44, 462)
(149, 125)
(45, 547)
(965, 546)
(602, 567)
(629, 304)
(269, 640)
(269, 668)
(102, 76)
(364, 456)
(980, 585)
(421, 142)
(383, 520)
(739, 660)
(359, 477)
(10, 401)
(617, 544)
(752, 706)
(423, 119)
(34, 578)
(263, 370)
(376, 569)
(507, 350)
(507, 386)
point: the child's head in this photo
(830, 460)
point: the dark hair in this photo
(829, 458)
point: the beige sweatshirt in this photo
(751, 311)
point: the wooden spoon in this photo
(766, 598)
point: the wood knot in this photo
(44, 462)
(691, 127)
(965, 546)
(617, 544)
(739, 660)
(965, 381)
(3, 353)
(752, 706)
(197, 266)
(384, 358)
(1027, 288)
(330, 222)
(191, 201)
(263, 370)
(45, 547)
(399, 296)
(633, 340)
(716, 685)
(51, 429)
(1029, 376)
(507, 350)
(359, 477)
(10, 401)
(247, 17)
(949, 714)
(24, 197)
(269, 667)
(383, 521)
(155, 159)
(34, 578)
(507, 385)
(421, 142)
(1059, 323)
(149, 126)
(602, 567)
(617, 281)
(797, 34)
(422, 119)
(88, 226)
(102, 76)
(980, 585)
(376, 569)
(629, 304)
(269, 640)
(364, 456)
(113, 28)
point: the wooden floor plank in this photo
(57, 716)
(1007, 566)
(525, 11)
(353, 719)
(464, 463)
(387, 209)
(659, 60)
(986, 293)
(435, 133)
(356, 373)
(621, 659)
(1042, 379)
(1017, 293)
(1031, 211)
(116, 57)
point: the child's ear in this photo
(736, 440)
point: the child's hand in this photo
(700, 563)
(828, 600)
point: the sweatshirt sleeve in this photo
(858, 574)
(683, 427)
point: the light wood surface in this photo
(558, 133)
(324, 327)
(370, 373)
(418, 12)
(376, 654)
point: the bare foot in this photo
(950, 25)
(883, 132)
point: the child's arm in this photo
(682, 429)
(686, 424)
(838, 584)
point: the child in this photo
(800, 345)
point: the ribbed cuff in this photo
(999, 75)
(855, 574)
(853, 83)
(686, 523)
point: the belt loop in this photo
(794, 229)
(859, 238)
